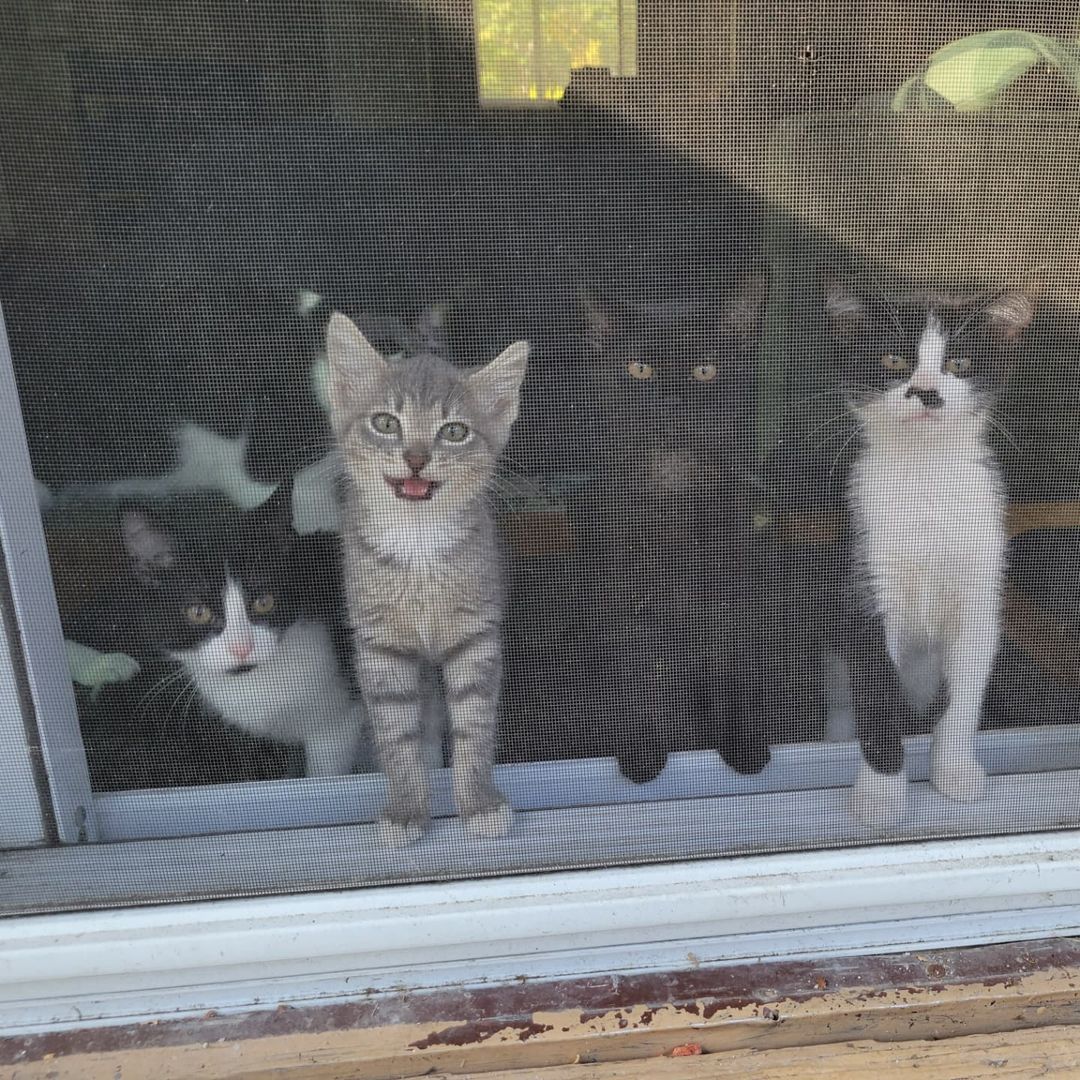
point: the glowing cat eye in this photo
(705, 372)
(892, 362)
(958, 365)
(263, 605)
(455, 431)
(386, 423)
(638, 369)
(198, 614)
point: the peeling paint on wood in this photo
(724, 1011)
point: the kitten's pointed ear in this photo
(498, 385)
(276, 512)
(150, 546)
(1011, 313)
(355, 367)
(600, 316)
(744, 310)
(845, 308)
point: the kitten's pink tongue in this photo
(416, 487)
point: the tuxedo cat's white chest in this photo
(299, 687)
(929, 523)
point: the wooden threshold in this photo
(843, 1017)
(1051, 1052)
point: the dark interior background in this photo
(172, 172)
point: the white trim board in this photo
(548, 785)
(177, 960)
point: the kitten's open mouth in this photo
(242, 669)
(413, 488)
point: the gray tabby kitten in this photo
(419, 440)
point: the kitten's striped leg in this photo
(954, 769)
(390, 682)
(472, 673)
(879, 796)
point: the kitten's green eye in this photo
(198, 614)
(892, 362)
(264, 604)
(455, 431)
(386, 423)
(958, 365)
(705, 372)
(638, 369)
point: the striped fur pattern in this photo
(420, 440)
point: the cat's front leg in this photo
(472, 673)
(879, 796)
(954, 769)
(333, 753)
(739, 701)
(737, 710)
(651, 707)
(390, 682)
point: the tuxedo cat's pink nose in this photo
(242, 649)
(416, 459)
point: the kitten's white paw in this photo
(495, 821)
(958, 778)
(878, 799)
(395, 834)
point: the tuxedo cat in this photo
(240, 440)
(669, 537)
(925, 550)
(247, 617)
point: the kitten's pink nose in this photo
(416, 460)
(242, 649)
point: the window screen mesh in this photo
(794, 465)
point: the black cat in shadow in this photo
(668, 529)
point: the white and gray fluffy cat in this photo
(420, 440)
(926, 543)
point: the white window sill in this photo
(174, 960)
(595, 782)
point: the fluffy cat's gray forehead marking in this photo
(427, 381)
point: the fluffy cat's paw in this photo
(399, 834)
(747, 758)
(878, 799)
(494, 821)
(959, 779)
(641, 766)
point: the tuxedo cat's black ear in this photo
(845, 308)
(601, 317)
(276, 513)
(744, 309)
(428, 331)
(151, 547)
(1011, 313)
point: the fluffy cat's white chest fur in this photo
(930, 522)
(300, 690)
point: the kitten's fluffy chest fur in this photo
(929, 530)
(425, 578)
